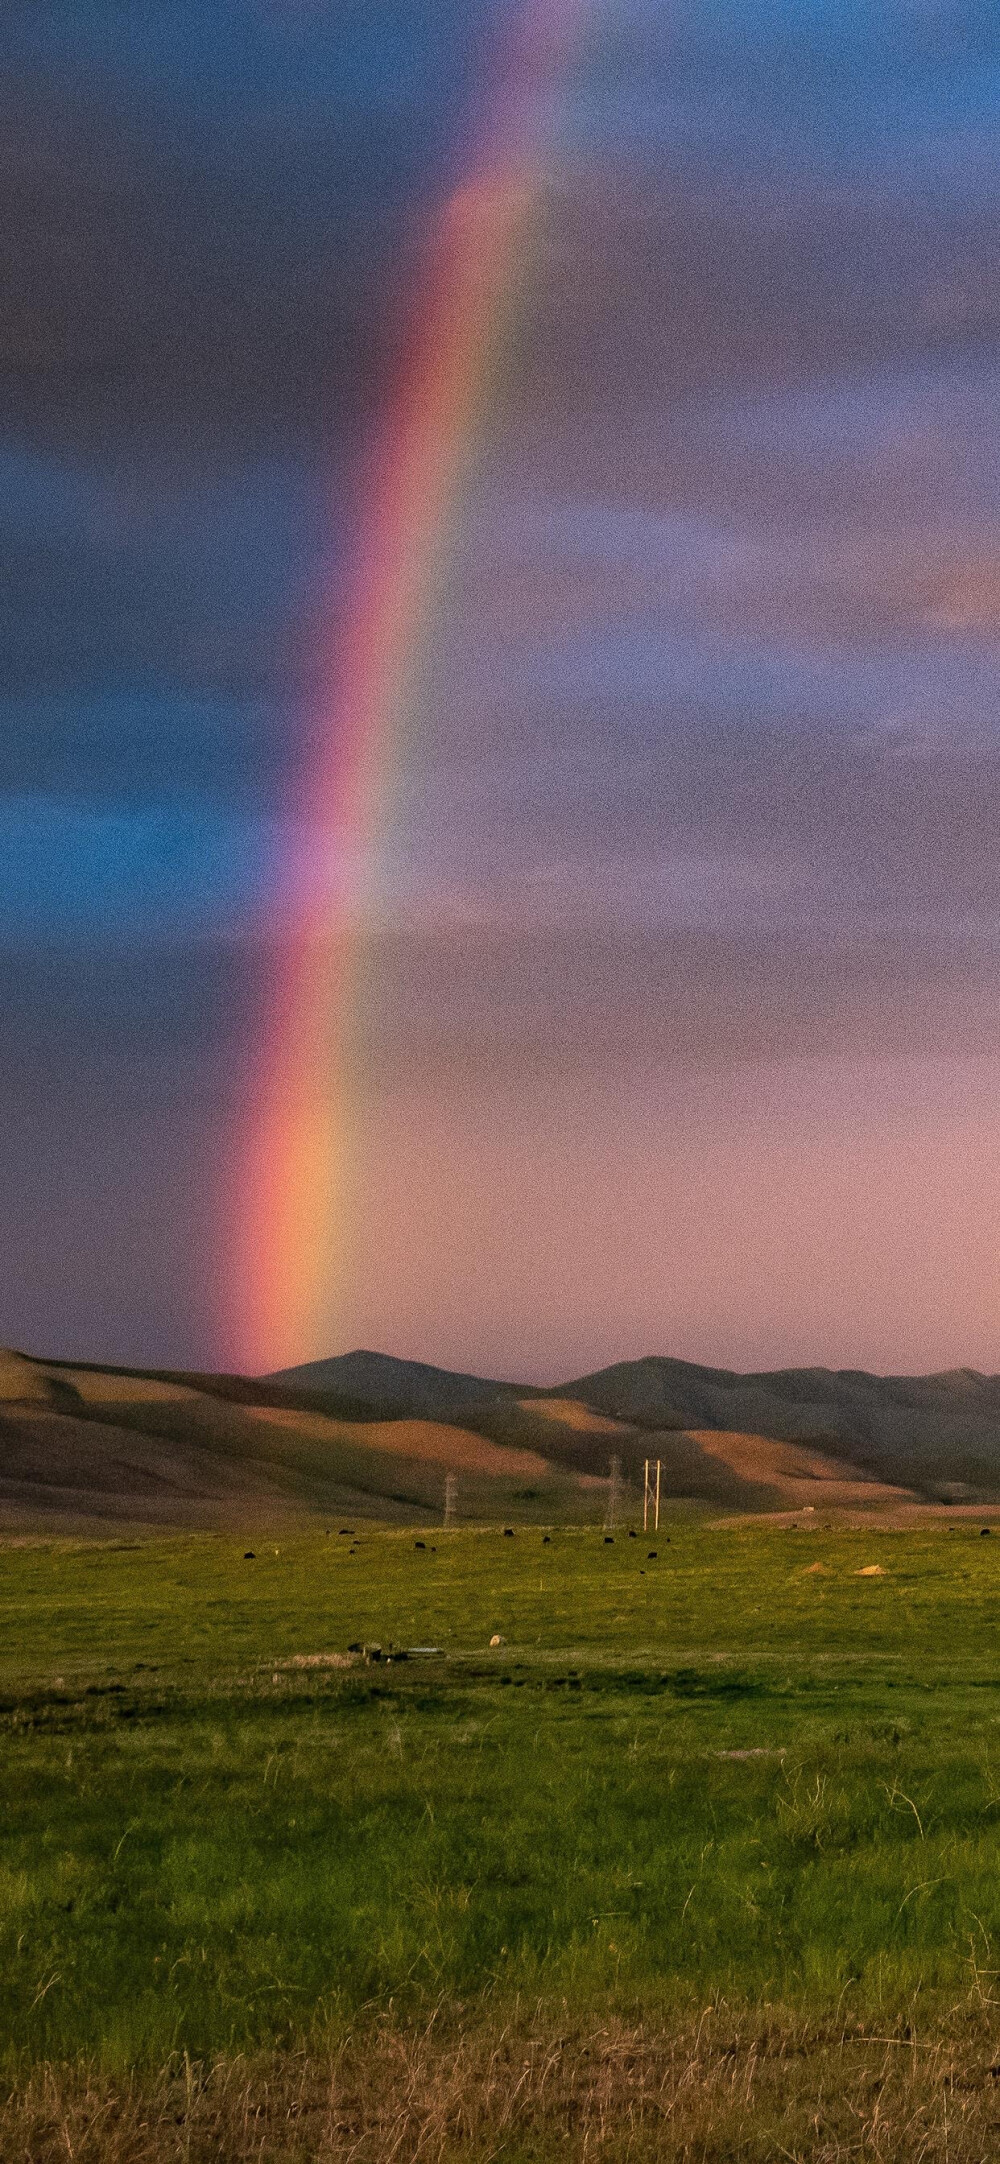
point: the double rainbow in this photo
(293, 1200)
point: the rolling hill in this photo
(89, 1448)
(937, 1435)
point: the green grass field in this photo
(687, 1803)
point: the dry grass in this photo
(806, 1477)
(437, 1442)
(573, 1413)
(318, 1660)
(722, 2090)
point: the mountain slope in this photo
(932, 1432)
(388, 1388)
(84, 1447)
(938, 1434)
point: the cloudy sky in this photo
(681, 1016)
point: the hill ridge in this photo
(370, 1434)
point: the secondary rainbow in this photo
(292, 1201)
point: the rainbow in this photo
(293, 1180)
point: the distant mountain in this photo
(387, 1388)
(930, 1431)
(367, 1436)
(85, 1448)
(939, 1434)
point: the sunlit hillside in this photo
(368, 1436)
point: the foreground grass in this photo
(660, 1865)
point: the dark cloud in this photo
(700, 762)
(208, 216)
(543, 1002)
(134, 570)
(829, 829)
(184, 1022)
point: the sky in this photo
(680, 1025)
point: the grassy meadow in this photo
(709, 1835)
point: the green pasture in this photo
(697, 1777)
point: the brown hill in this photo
(936, 1434)
(797, 1478)
(85, 1446)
